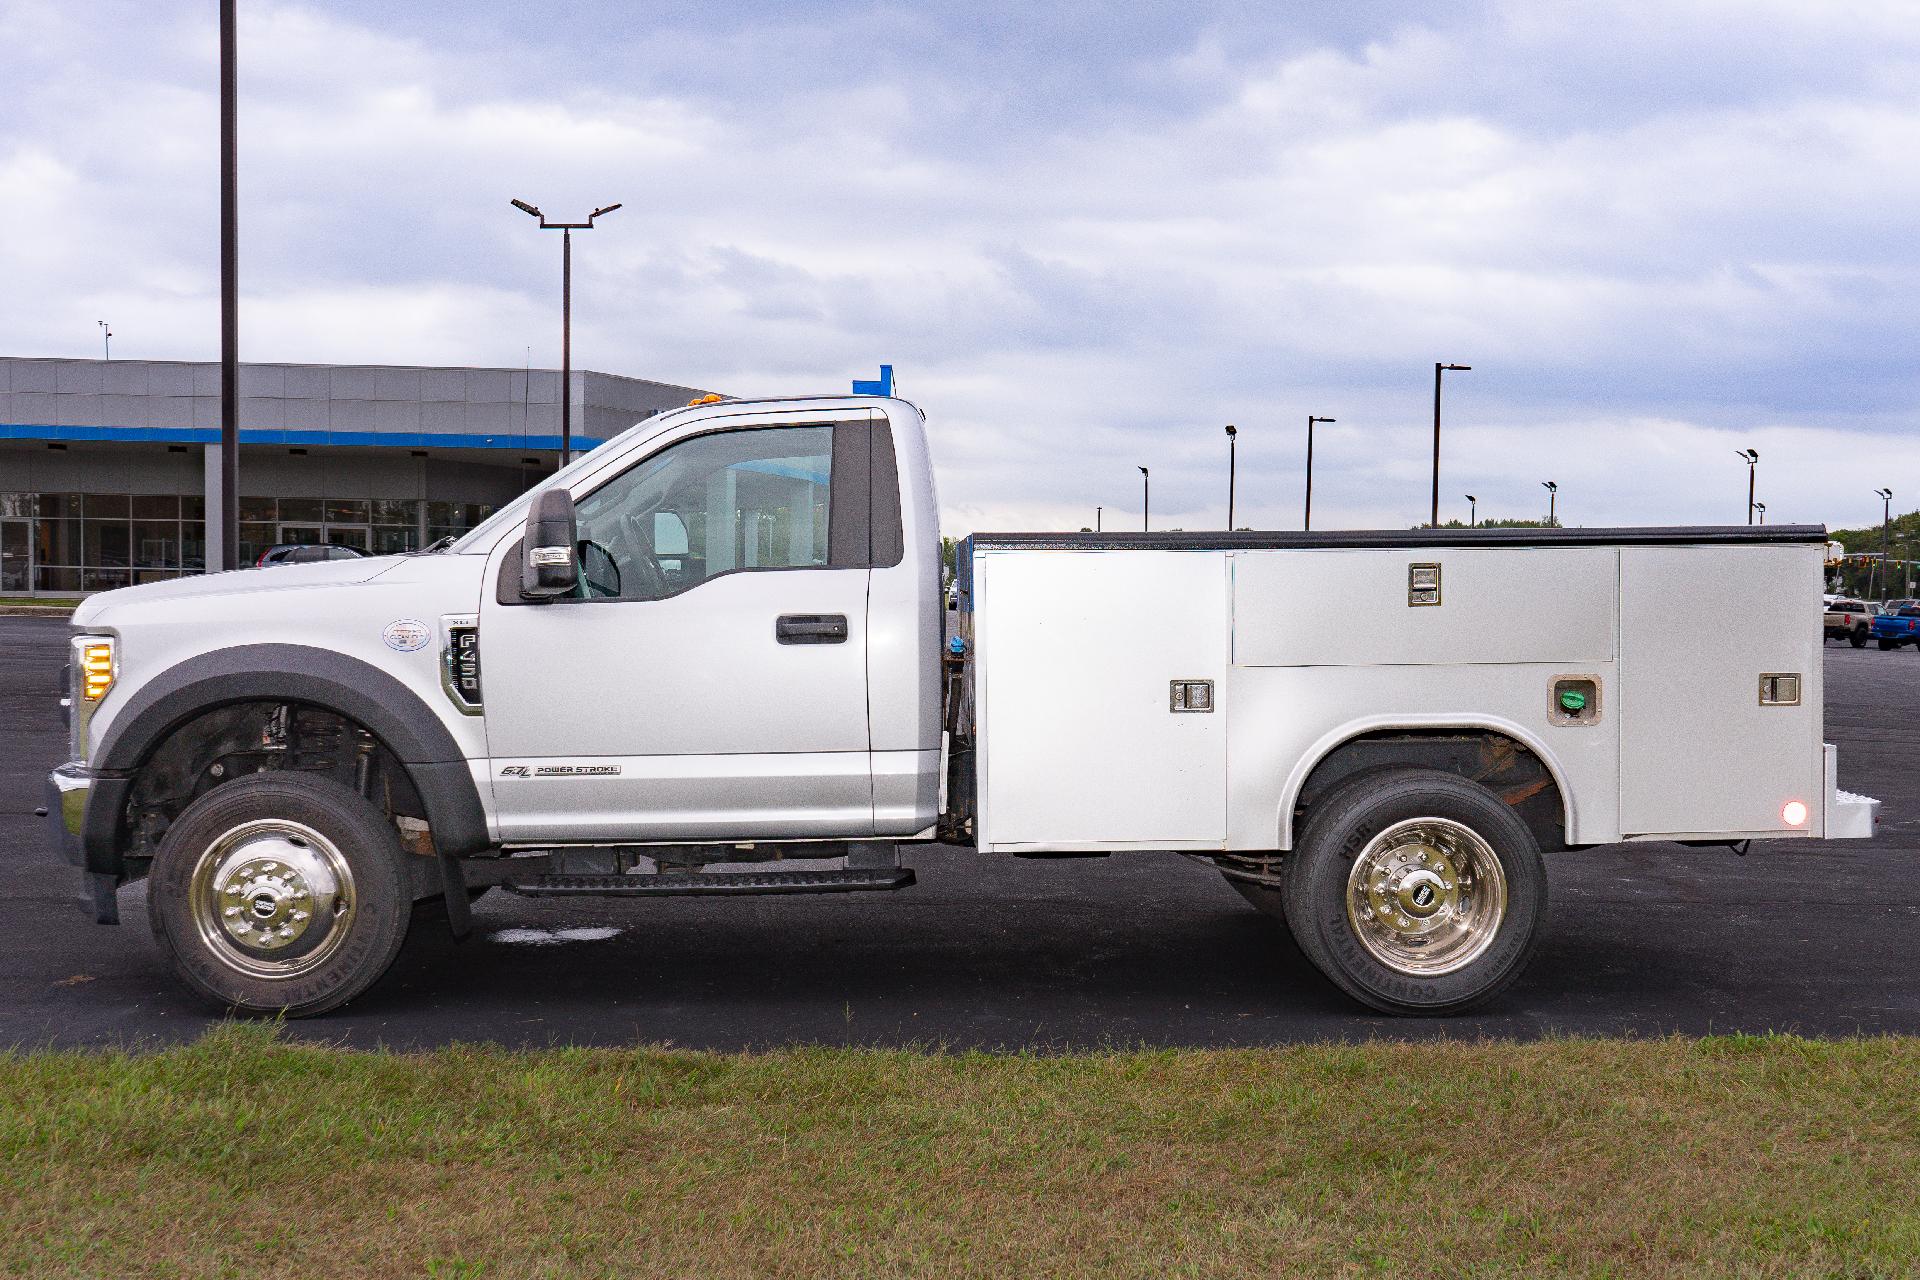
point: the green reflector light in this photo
(1573, 700)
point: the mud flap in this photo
(453, 883)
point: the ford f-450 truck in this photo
(711, 657)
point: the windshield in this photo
(481, 535)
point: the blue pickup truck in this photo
(1898, 627)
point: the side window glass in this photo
(721, 503)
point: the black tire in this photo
(1342, 827)
(1857, 638)
(1885, 645)
(371, 903)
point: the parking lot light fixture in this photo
(1439, 369)
(1473, 507)
(1232, 443)
(1886, 530)
(1752, 458)
(1146, 495)
(1761, 507)
(566, 230)
(1306, 521)
(1553, 495)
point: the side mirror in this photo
(550, 566)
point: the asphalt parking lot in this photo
(997, 952)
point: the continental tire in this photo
(1416, 892)
(280, 893)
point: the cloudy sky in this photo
(1086, 235)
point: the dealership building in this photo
(109, 468)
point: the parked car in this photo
(1891, 630)
(1849, 620)
(305, 553)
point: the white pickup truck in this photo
(709, 657)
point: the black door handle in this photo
(811, 628)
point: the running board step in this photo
(687, 883)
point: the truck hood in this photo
(288, 577)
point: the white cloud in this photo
(1694, 232)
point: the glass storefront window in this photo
(391, 540)
(104, 579)
(69, 542)
(109, 545)
(254, 539)
(193, 545)
(156, 544)
(56, 542)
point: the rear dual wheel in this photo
(1415, 892)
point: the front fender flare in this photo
(358, 690)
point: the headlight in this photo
(94, 663)
(96, 666)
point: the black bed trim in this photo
(1412, 539)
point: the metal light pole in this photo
(1232, 444)
(1473, 506)
(1761, 507)
(1096, 518)
(1306, 521)
(229, 292)
(1752, 458)
(106, 337)
(1439, 369)
(566, 230)
(1146, 495)
(1886, 531)
(1553, 496)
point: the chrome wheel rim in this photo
(272, 898)
(1426, 896)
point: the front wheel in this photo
(280, 892)
(1416, 892)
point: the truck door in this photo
(710, 679)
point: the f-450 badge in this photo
(558, 770)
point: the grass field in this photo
(247, 1156)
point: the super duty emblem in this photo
(558, 770)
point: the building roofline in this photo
(350, 364)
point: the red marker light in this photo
(1793, 813)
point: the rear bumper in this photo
(1848, 816)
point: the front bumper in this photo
(67, 791)
(68, 788)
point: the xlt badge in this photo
(558, 770)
